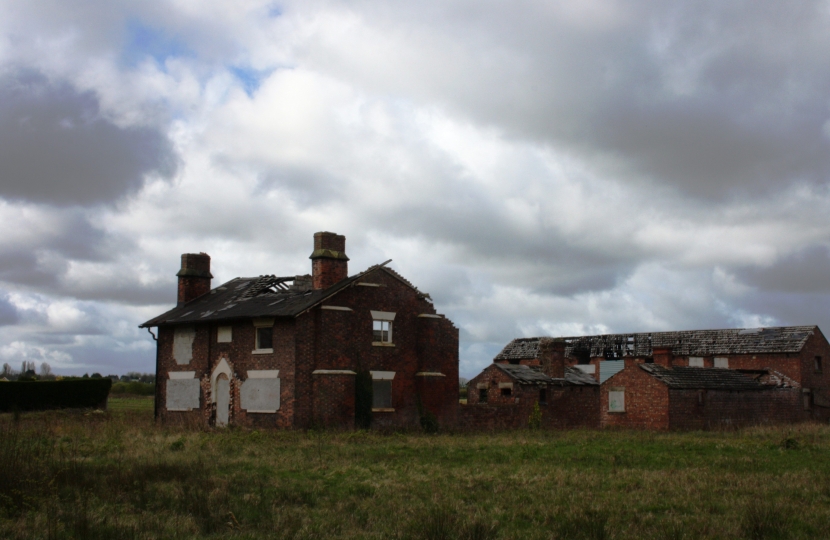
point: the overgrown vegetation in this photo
(114, 475)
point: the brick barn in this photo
(697, 379)
(285, 352)
(504, 395)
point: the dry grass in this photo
(115, 475)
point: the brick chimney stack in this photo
(552, 357)
(663, 356)
(194, 277)
(329, 263)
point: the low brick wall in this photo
(713, 409)
(566, 407)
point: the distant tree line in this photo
(28, 371)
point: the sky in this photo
(540, 168)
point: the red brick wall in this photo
(646, 400)
(712, 409)
(566, 407)
(166, 364)
(327, 272)
(206, 356)
(335, 339)
(491, 376)
(334, 400)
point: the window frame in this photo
(385, 321)
(383, 378)
(259, 325)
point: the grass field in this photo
(114, 474)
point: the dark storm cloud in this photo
(51, 240)
(55, 146)
(805, 272)
(44, 255)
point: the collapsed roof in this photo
(786, 339)
(263, 296)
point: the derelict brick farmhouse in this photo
(285, 351)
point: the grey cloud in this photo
(56, 147)
(716, 100)
(806, 272)
(8, 313)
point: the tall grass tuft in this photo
(763, 521)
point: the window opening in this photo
(543, 396)
(264, 338)
(506, 392)
(482, 395)
(818, 364)
(381, 394)
(382, 331)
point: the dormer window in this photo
(382, 327)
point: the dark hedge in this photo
(43, 395)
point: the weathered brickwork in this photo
(646, 400)
(718, 409)
(562, 405)
(334, 400)
(317, 353)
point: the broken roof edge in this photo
(326, 295)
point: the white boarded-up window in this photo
(224, 334)
(260, 393)
(722, 362)
(616, 400)
(183, 394)
(183, 337)
(695, 361)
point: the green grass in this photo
(82, 474)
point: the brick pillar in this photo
(329, 263)
(663, 356)
(552, 357)
(194, 276)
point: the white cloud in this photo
(570, 168)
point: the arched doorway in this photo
(221, 392)
(223, 399)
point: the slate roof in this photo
(692, 378)
(787, 339)
(533, 375)
(263, 296)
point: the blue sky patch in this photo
(250, 78)
(143, 41)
